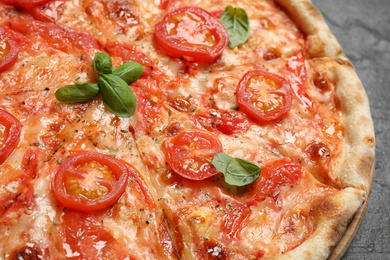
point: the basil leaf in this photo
(236, 171)
(129, 71)
(103, 63)
(236, 23)
(117, 95)
(77, 93)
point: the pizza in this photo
(176, 129)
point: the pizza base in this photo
(353, 168)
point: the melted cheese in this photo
(198, 214)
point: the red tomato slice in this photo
(263, 95)
(193, 32)
(90, 181)
(66, 40)
(22, 177)
(9, 49)
(235, 218)
(190, 154)
(49, 12)
(273, 176)
(130, 53)
(139, 185)
(25, 3)
(296, 77)
(149, 111)
(10, 129)
(84, 236)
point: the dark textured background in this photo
(363, 29)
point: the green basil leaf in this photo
(103, 63)
(77, 93)
(129, 71)
(117, 95)
(236, 171)
(236, 23)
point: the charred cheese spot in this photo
(211, 250)
(27, 252)
(173, 129)
(317, 150)
(271, 54)
(321, 82)
(181, 104)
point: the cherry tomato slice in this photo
(234, 219)
(9, 49)
(55, 36)
(263, 95)
(87, 238)
(10, 129)
(274, 175)
(25, 3)
(49, 12)
(89, 181)
(296, 76)
(190, 154)
(193, 32)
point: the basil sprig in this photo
(236, 22)
(117, 95)
(236, 171)
(129, 71)
(103, 63)
(79, 92)
(113, 84)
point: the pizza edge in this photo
(355, 166)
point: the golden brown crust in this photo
(320, 42)
(354, 167)
(332, 215)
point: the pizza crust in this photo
(332, 215)
(354, 167)
(320, 42)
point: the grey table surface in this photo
(363, 29)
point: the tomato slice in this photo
(9, 49)
(192, 32)
(10, 129)
(274, 175)
(190, 154)
(25, 3)
(89, 181)
(49, 12)
(263, 95)
(84, 236)
(130, 53)
(235, 218)
(296, 76)
(149, 110)
(57, 37)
